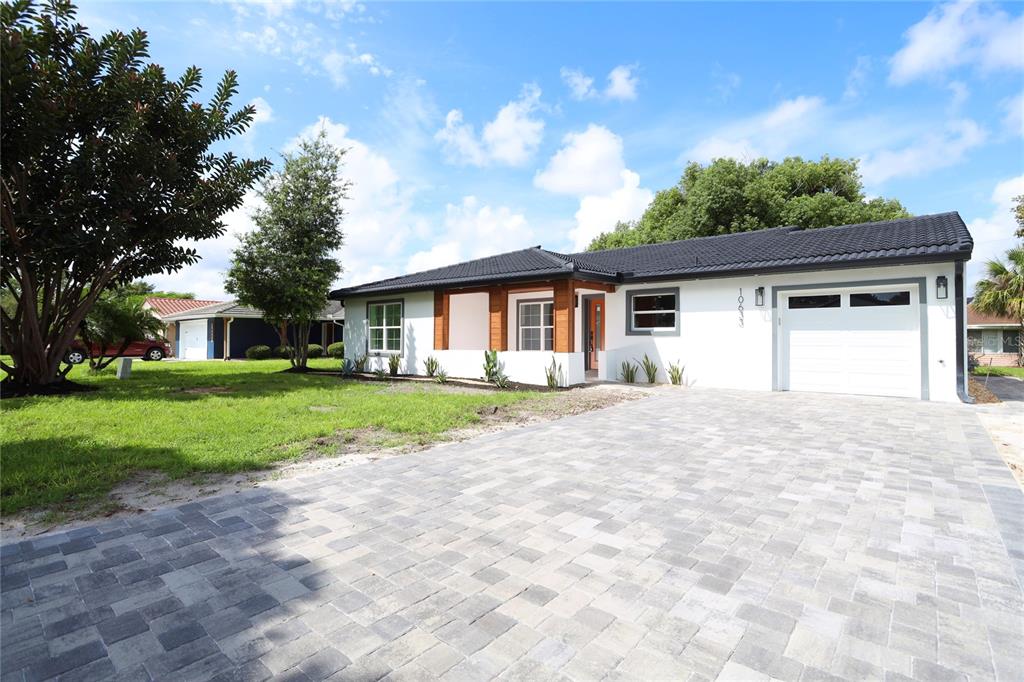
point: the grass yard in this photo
(66, 452)
(1000, 371)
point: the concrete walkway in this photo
(693, 535)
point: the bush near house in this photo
(258, 352)
(284, 352)
(336, 350)
(314, 350)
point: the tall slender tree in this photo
(106, 169)
(286, 265)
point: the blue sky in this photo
(479, 128)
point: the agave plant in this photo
(432, 366)
(627, 372)
(650, 369)
(675, 373)
(441, 376)
(394, 362)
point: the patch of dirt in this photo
(150, 490)
(980, 392)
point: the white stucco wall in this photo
(468, 321)
(717, 352)
(417, 330)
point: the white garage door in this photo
(852, 341)
(193, 339)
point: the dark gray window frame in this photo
(385, 353)
(633, 293)
(520, 302)
(922, 304)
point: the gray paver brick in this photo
(799, 538)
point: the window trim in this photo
(661, 331)
(519, 336)
(401, 327)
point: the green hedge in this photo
(314, 350)
(258, 352)
(336, 349)
(283, 352)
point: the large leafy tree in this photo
(728, 196)
(106, 167)
(1018, 214)
(286, 265)
(1001, 292)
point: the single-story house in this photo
(225, 330)
(876, 308)
(992, 339)
(163, 308)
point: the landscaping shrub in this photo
(675, 373)
(314, 350)
(441, 376)
(360, 364)
(393, 363)
(628, 372)
(259, 352)
(650, 369)
(336, 349)
(491, 368)
(432, 366)
(554, 375)
(284, 352)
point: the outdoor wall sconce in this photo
(941, 287)
(759, 296)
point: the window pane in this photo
(529, 315)
(658, 302)
(549, 314)
(530, 339)
(548, 338)
(1011, 340)
(882, 298)
(377, 339)
(394, 337)
(654, 320)
(828, 301)
(990, 341)
(393, 314)
(376, 315)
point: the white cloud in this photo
(473, 230)
(725, 82)
(767, 134)
(263, 114)
(581, 86)
(1013, 119)
(509, 139)
(588, 163)
(857, 78)
(337, 65)
(959, 93)
(622, 82)
(959, 34)
(600, 213)
(994, 235)
(933, 150)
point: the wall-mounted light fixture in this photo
(941, 287)
(759, 296)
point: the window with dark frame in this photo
(862, 300)
(1011, 341)
(816, 301)
(653, 312)
(536, 325)
(385, 327)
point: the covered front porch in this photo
(528, 324)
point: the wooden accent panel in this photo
(597, 286)
(498, 307)
(441, 320)
(565, 315)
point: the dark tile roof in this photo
(929, 237)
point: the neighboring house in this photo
(876, 309)
(992, 339)
(164, 307)
(225, 330)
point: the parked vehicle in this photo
(147, 349)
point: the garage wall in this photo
(718, 352)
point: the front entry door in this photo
(595, 330)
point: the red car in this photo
(147, 349)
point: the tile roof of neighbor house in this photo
(780, 249)
(170, 306)
(234, 309)
(976, 318)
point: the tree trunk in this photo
(301, 343)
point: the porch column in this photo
(441, 316)
(565, 315)
(498, 307)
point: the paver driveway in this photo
(690, 535)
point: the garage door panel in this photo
(193, 340)
(871, 350)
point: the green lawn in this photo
(1001, 371)
(63, 453)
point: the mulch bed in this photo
(980, 392)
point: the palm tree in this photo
(1002, 292)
